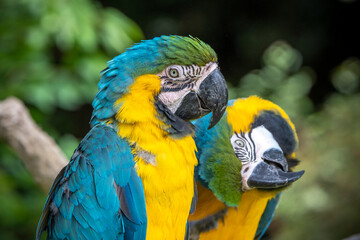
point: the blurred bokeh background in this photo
(303, 55)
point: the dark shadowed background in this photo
(303, 55)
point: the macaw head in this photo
(252, 147)
(186, 80)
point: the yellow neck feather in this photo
(168, 180)
(239, 223)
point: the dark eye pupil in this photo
(240, 143)
(174, 73)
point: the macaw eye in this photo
(173, 72)
(240, 143)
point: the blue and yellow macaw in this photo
(132, 176)
(245, 162)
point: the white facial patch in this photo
(264, 140)
(249, 149)
(188, 78)
(173, 99)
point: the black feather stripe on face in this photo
(187, 76)
(245, 153)
(279, 128)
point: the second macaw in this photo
(132, 176)
(245, 162)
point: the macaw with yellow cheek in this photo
(132, 176)
(245, 162)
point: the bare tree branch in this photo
(41, 155)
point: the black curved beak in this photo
(272, 172)
(212, 96)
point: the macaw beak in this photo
(211, 96)
(271, 172)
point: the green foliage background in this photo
(51, 56)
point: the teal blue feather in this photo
(86, 200)
(267, 216)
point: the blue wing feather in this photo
(267, 216)
(98, 195)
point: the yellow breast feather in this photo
(239, 223)
(168, 180)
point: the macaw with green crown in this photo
(132, 176)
